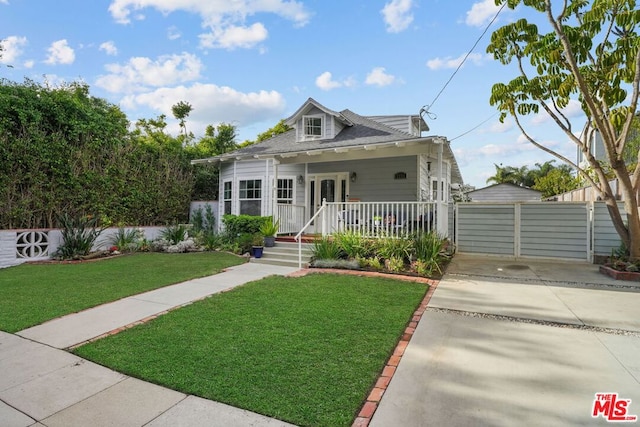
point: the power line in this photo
(475, 127)
(465, 57)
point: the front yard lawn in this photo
(34, 293)
(305, 350)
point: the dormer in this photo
(313, 121)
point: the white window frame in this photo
(292, 189)
(304, 126)
(245, 199)
(226, 199)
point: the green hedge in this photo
(236, 225)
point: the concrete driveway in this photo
(509, 342)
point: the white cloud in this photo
(60, 53)
(29, 64)
(378, 77)
(481, 13)
(397, 15)
(230, 106)
(173, 33)
(12, 49)
(225, 20)
(232, 37)
(4, 1)
(141, 73)
(448, 62)
(503, 127)
(325, 82)
(109, 48)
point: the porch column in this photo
(441, 206)
(274, 191)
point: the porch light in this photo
(300, 179)
(353, 176)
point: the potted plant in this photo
(257, 247)
(269, 229)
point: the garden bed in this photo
(620, 275)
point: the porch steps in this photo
(285, 254)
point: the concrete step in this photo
(285, 254)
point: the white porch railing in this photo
(375, 219)
(292, 218)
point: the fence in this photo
(18, 246)
(559, 230)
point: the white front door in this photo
(329, 187)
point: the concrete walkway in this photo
(41, 385)
(506, 342)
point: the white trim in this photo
(323, 123)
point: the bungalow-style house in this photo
(337, 170)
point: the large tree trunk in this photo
(630, 234)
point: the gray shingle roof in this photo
(363, 132)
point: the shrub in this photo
(78, 236)
(373, 262)
(203, 221)
(174, 234)
(395, 264)
(235, 225)
(126, 240)
(429, 250)
(244, 242)
(210, 242)
(270, 227)
(326, 248)
(390, 247)
(353, 244)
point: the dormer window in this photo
(313, 126)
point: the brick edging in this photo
(373, 400)
(375, 395)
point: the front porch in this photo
(368, 219)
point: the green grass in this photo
(305, 350)
(34, 293)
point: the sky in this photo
(253, 62)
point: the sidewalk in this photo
(41, 385)
(506, 342)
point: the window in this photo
(285, 191)
(312, 126)
(251, 197)
(226, 197)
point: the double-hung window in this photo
(227, 196)
(285, 191)
(313, 126)
(250, 196)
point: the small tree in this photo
(181, 111)
(591, 54)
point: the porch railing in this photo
(292, 218)
(375, 219)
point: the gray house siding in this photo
(552, 230)
(401, 123)
(375, 178)
(264, 171)
(486, 229)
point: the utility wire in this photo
(475, 127)
(465, 58)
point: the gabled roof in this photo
(361, 133)
(308, 105)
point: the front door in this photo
(329, 187)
